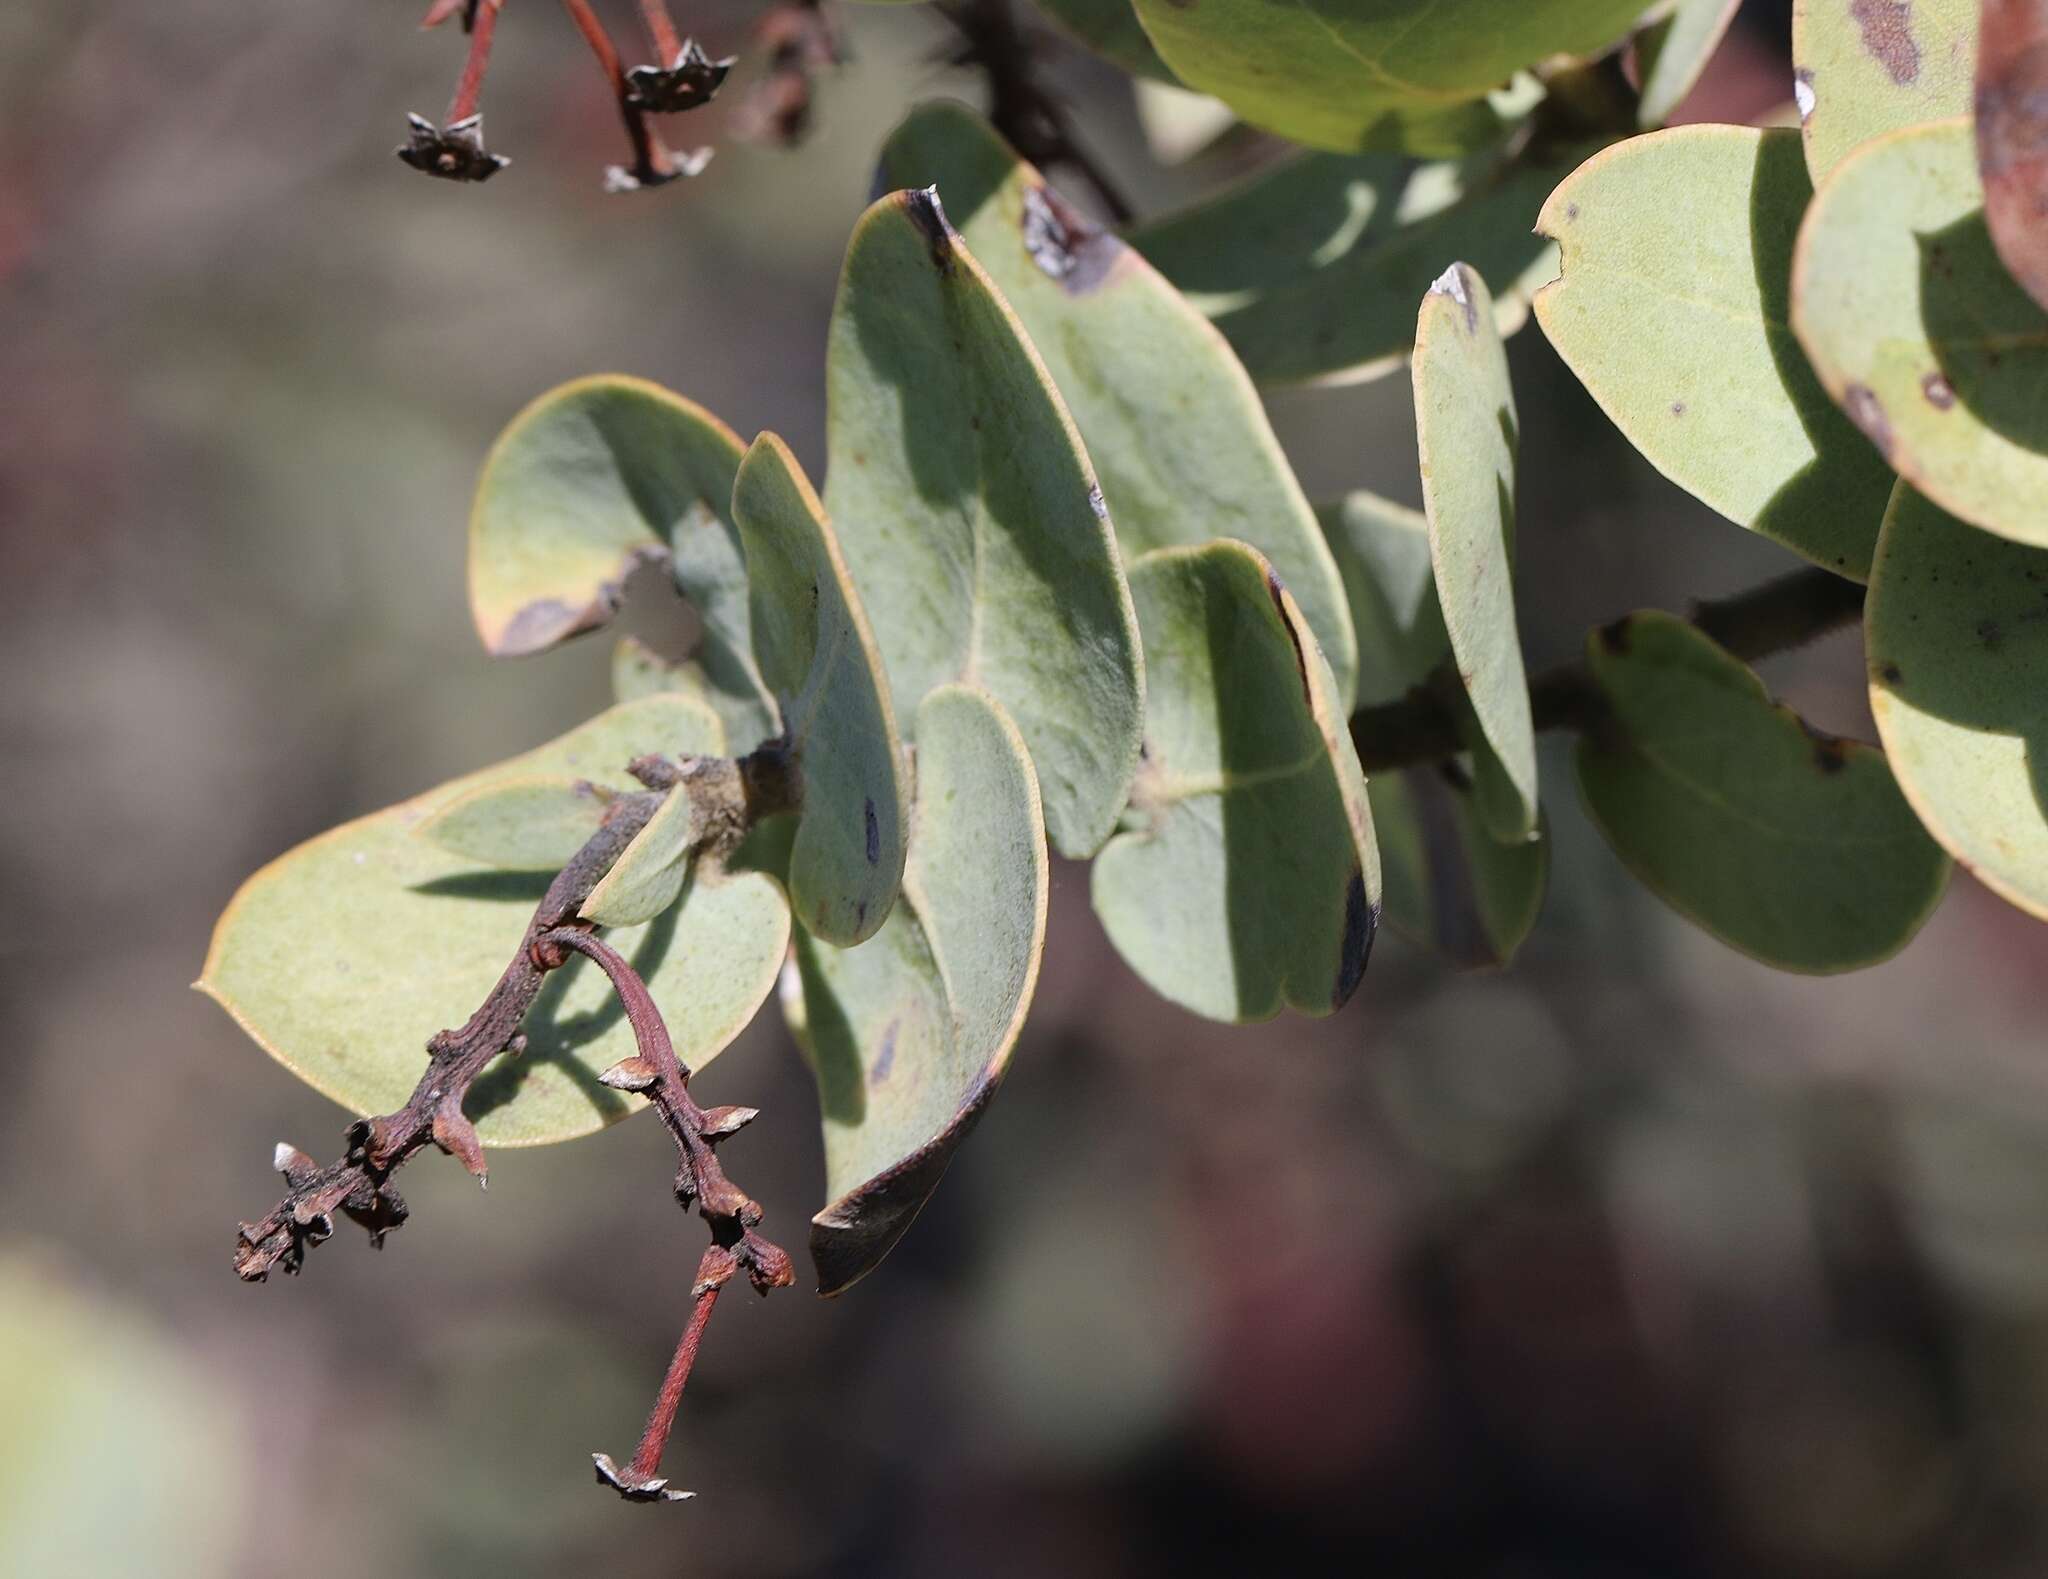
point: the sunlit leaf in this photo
(1179, 439)
(1449, 883)
(1673, 51)
(1862, 68)
(971, 517)
(520, 825)
(344, 956)
(1921, 334)
(1309, 268)
(2012, 136)
(1958, 653)
(818, 655)
(1248, 879)
(910, 1033)
(1467, 434)
(1351, 75)
(1110, 28)
(590, 480)
(1790, 845)
(1673, 310)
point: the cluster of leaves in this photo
(1063, 591)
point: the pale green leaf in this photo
(1673, 310)
(522, 825)
(650, 872)
(971, 516)
(1918, 330)
(1248, 879)
(910, 1033)
(1449, 883)
(1351, 75)
(1180, 442)
(1673, 51)
(1382, 553)
(344, 956)
(1308, 268)
(1467, 434)
(1792, 846)
(1958, 652)
(818, 655)
(590, 480)
(1862, 68)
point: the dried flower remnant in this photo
(691, 80)
(801, 40)
(454, 152)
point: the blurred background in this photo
(1636, 1258)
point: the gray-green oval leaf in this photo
(1450, 883)
(1248, 879)
(590, 480)
(1957, 634)
(1308, 268)
(1921, 334)
(1466, 432)
(1673, 308)
(1792, 846)
(977, 533)
(909, 1034)
(344, 956)
(523, 825)
(816, 651)
(1180, 442)
(1349, 75)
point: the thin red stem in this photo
(470, 86)
(649, 157)
(662, 1418)
(661, 28)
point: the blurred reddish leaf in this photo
(2012, 136)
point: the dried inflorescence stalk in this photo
(359, 1184)
(683, 78)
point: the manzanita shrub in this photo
(1061, 591)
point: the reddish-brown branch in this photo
(652, 163)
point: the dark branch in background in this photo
(1776, 617)
(1031, 120)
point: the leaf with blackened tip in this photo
(909, 1035)
(522, 825)
(635, 1488)
(818, 654)
(1921, 333)
(1248, 879)
(962, 492)
(631, 1074)
(1178, 437)
(720, 1122)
